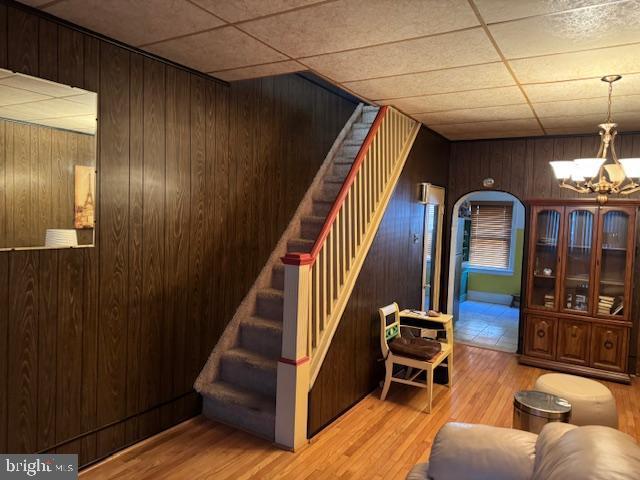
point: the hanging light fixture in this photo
(601, 175)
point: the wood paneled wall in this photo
(392, 272)
(521, 166)
(196, 181)
(37, 181)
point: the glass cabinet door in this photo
(578, 258)
(613, 265)
(542, 290)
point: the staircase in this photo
(239, 381)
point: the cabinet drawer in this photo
(609, 347)
(574, 339)
(540, 336)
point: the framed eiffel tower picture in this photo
(84, 211)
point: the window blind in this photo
(490, 244)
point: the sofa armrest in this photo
(462, 450)
(418, 472)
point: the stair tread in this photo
(229, 393)
(261, 322)
(334, 179)
(270, 292)
(252, 358)
(302, 241)
(313, 219)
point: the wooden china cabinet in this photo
(577, 315)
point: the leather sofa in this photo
(562, 451)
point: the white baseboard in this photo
(489, 297)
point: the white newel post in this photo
(293, 367)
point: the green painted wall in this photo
(506, 284)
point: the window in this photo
(491, 234)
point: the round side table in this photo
(532, 410)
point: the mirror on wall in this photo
(47, 163)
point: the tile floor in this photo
(487, 325)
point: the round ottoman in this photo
(591, 402)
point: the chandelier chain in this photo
(609, 119)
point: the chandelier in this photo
(601, 175)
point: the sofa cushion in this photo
(549, 435)
(481, 452)
(590, 453)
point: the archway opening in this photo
(486, 261)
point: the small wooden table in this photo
(446, 321)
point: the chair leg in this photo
(450, 369)
(429, 380)
(387, 378)
(408, 373)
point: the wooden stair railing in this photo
(318, 284)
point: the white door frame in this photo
(435, 196)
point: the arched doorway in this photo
(486, 252)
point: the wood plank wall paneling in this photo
(197, 180)
(392, 272)
(521, 167)
(37, 181)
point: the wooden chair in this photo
(391, 330)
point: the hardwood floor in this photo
(378, 440)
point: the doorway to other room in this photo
(487, 244)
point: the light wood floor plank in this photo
(352, 447)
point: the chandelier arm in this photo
(575, 188)
(629, 188)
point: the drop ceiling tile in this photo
(593, 27)
(588, 106)
(577, 65)
(575, 89)
(258, 71)
(89, 99)
(627, 122)
(11, 96)
(238, 10)
(501, 10)
(219, 49)
(486, 114)
(440, 81)
(53, 108)
(455, 101)
(136, 22)
(491, 134)
(346, 24)
(39, 85)
(529, 124)
(431, 53)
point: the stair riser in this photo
(330, 190)
(321, 209)
(341, 170)
(260, 423)
(358, 134)
(268, 307)
(277, 278)
(369, 116)
(350, 151)
(248, 376)
(310, 230)
(265, 341)
(299, 247)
